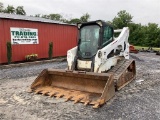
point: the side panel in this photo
(119, 44)
(1, 40)
(64, 37)
(3, 53)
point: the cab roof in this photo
(98, 22)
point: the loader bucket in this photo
(85, 87)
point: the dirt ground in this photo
(138, 100)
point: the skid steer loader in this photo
(97, 67)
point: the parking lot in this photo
(138, 100)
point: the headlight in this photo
(99, 54)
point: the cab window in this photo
(107, 35)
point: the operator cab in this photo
(92, 37)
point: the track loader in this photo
(97, 67)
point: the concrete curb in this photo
(32, 63)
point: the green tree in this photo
(10, 9)
(122, 19)
(37, 15)
(20, 11)
(152, 35)
(9, 52)
(148, 35)
(56, 17)
(85, 18)
(59, 17)
(50, 50)
(65, 20)
(45, 16)
(1, 7)
(137, 34)
(74, 21)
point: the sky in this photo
(143, 11)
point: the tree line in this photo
(140, 35)
(58, 17)
(12, 10)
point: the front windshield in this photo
(89, 36)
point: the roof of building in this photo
(30, 18)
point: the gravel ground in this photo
(138, 100)
(27, 71)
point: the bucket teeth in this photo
(78, 100)
(37, 91)
(87, 102)
(59, 96)
(52, 94)
(44, 92)
(76, 96)
(73, 95)
(99, 103)
(68, 98)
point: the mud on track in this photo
(139, 100)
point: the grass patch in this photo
(146, 48)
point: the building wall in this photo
(64, 37)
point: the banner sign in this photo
(24, 35)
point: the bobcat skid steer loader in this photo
(97, 67)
